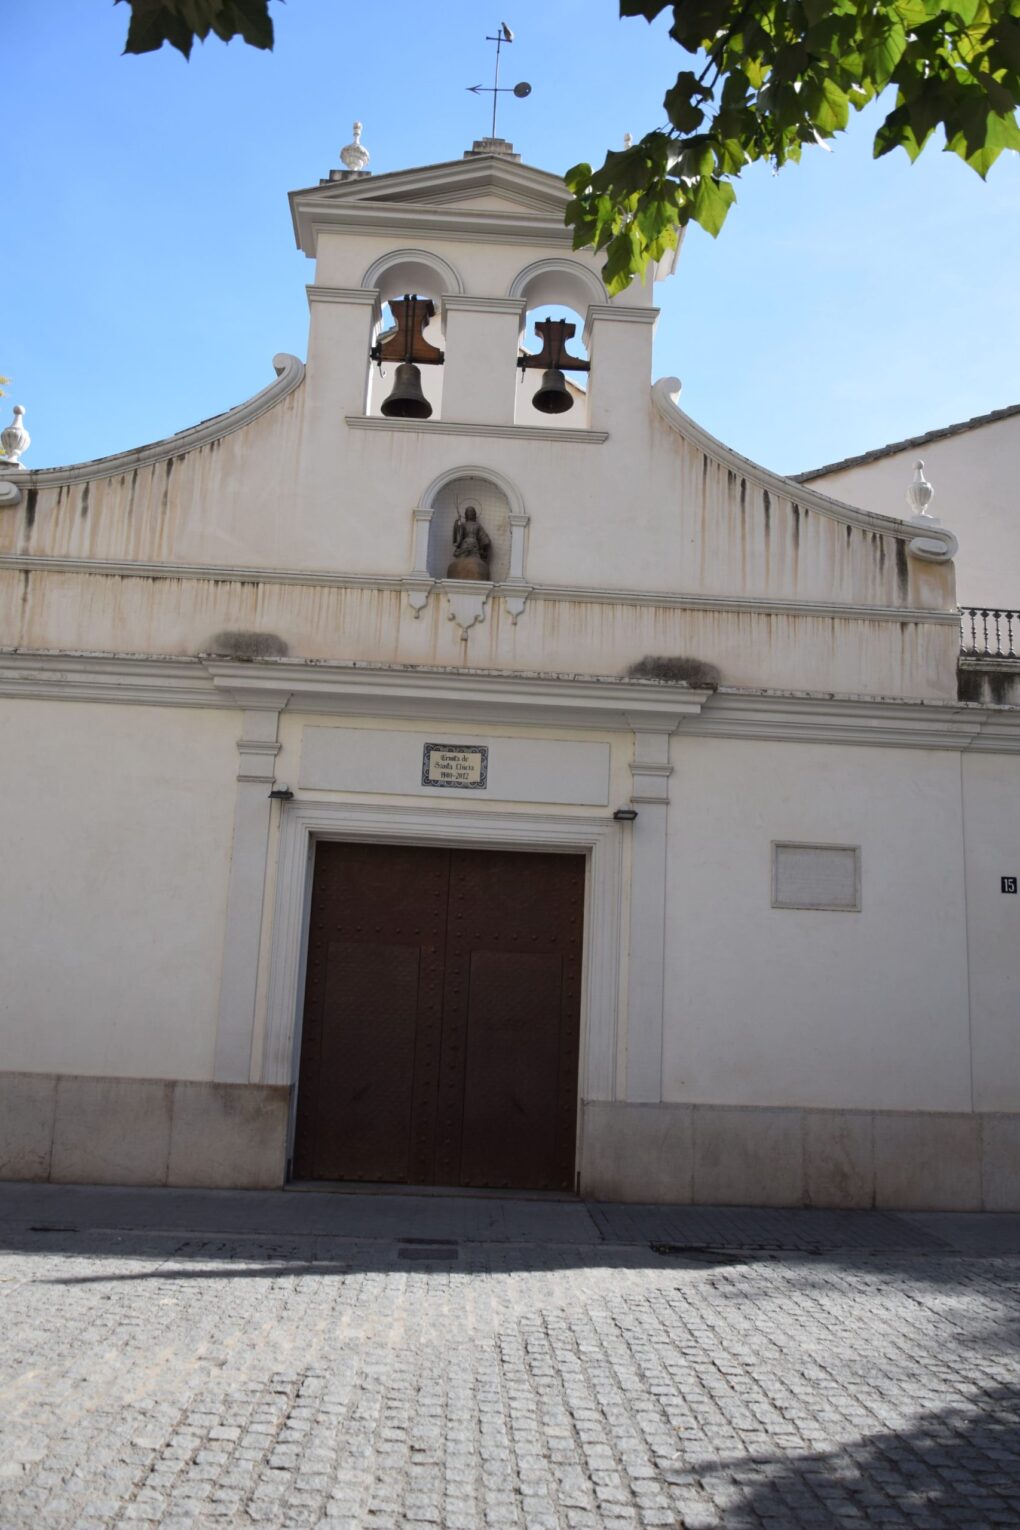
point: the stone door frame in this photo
(599, 839)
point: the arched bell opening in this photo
(406, 377)
(549, 390)
(456, 550)
(403, 384)
(553, 360)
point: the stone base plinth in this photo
(746, 1156)
(74, 1129)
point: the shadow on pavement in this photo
(959, 1466)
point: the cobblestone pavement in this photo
(346, 1361)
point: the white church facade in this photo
(495, 797)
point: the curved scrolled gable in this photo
(934, 545)
(290, 374)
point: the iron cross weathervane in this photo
(503, 35)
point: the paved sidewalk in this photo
(193, 1358)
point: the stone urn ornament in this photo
(471, 547)
(15, 440)
(920, 495)
(355, 157)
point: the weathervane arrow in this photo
(520, 90)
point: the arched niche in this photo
(500, 510)
(423, 274)
(561, 289)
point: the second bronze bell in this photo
(406, 400)
(552, 395)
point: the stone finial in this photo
(920, 494)
(628, 140)
(15, 440)
(355, 156)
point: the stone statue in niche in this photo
(471, 547)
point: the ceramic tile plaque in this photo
(816, 876)
(457, 765)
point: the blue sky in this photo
(150, 272)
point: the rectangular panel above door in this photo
(432, 764)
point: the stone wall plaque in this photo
(455, 765)
(816, 876)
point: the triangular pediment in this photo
(472, 192)
(483, 196)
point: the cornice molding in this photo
(940, 545)
(551, 700)
(564, 701)
(456, 225)
(364, 297)
(875, 722)
(358, 689)
(290, 373)
(453, 301)
(550, 433)
(751, 605)
(616, 313)
(991, 664)
(119, 678)
(220, 573)
(1000, 734)
(748, 605)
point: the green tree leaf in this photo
(884, 44)
(180, 22)
(710, 202)
(768, 79)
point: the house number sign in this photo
(461, 765)
(1009, 884)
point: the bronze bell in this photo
(407, 401)
(552, 395)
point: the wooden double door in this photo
(441, 1021)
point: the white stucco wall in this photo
(116, 827)
(975, 474)
(62, 611)
(800, 1007)
(645, 510)
(991, 791)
